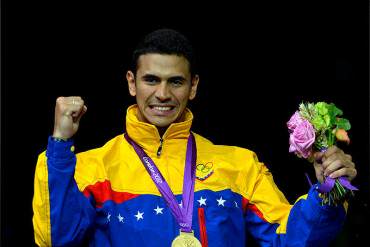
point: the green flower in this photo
(321, 108)
(319, 122)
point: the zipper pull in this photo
(159, 151)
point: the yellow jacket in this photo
(106, 196)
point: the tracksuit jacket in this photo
(105, 195)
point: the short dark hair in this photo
(165, 41)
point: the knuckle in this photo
(335, 174)
(350, 164)
(326, 165)
(59, 99)
(328, 170)
(338, 162)
(333, 149)
(354, 172)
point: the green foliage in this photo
(343, 123)
(325, 119)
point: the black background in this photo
(256, 64)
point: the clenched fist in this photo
(68, 112)
(334, 163)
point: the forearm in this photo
(64, 213)
(313, 224)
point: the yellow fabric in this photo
(41, 218)
(231, 168)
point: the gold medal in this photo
(186, 239)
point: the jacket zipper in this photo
(202, 227)
(159, 151)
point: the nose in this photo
(162, 91)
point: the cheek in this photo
(182, 96)
(142, 94)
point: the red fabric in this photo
(102, 192)
(202, 227)
(256, 211)
(244, 204)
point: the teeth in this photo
(162, 108)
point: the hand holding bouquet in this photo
(315, 128)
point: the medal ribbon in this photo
(182, 215)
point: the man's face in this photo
(162, 86)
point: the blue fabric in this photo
(71, 213)
(75, 216)
(309, 224)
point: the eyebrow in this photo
(150, 76)
(172, 78)
(175, 78)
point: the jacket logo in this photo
(204, 171)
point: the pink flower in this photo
(302, 138)
(294, 121)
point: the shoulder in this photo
(236, 166)
(91, 165)
(232, 153)
(110, 146)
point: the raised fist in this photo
(68, 112)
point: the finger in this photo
(326, 162)
(344, 159)
(68, 100)
(335, 165)
(319, 172)
(331, 150)
(349, 157)
(350, 173)
(318, 156)
(76, 106)
(73, 111)
(75, 100)
(71, 98)
(69, 105)
(83, 111)
(332, 154)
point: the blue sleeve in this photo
(71, 213)
(308, 224)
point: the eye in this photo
(151, 79)
(177, 81)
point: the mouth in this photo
(162, 110)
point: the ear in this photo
(194, 86)
(131, 82)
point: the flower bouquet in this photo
(314, 128)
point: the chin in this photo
(161, 123)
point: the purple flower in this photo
(301, 139)
(295, 120)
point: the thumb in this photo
(82, 112)
(318, 156)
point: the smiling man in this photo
(162, 86)
(161, 184)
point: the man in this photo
(159, 184)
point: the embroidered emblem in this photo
(204, 171)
